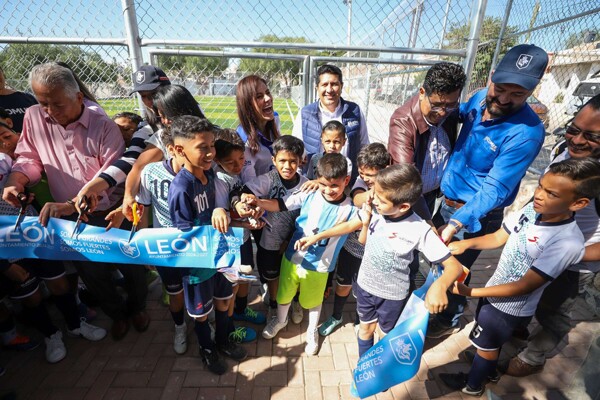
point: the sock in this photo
(240, 304)
(364, 345)
(338, 306)
(203, 333)
(282, 311)
(480, 370)
(272, 303)
(67, 305)
(313, 317)
(221, 331)
(38, 317)
(177, 317)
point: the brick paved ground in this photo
(144, 366)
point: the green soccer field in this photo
(219, 109)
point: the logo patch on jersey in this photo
(129, 249)
(404, 349)
(533, 239)
(198, 306)
(352, 123)
(493, 146)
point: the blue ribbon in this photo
(396, 358)
(201, 247)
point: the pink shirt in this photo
(71, 156)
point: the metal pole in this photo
(133, 41)
(500, 37)
(349, 32)
(443, 33)
(472, 43)
(306, 65)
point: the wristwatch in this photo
(455, 224)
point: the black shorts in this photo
(172, 278)
(246, 253)
(347, 268)
(38, 269)
(493, 327)
(269, 263)
(199, 296)
(371, 308)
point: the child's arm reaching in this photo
(436, 299)
(486, 242)
(527, 284)
(340, 229)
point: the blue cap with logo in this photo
(523, 65)
(148, 77)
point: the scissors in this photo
(22, 197)
(136, 219)
(83, 208)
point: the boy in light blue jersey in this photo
(307, 270)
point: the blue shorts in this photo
(246, 253)
(347, 268)
(199, 296)
(172, 279)
(269, 263)
(371, 308)
(38, 269)
(493, 327)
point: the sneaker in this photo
(242, 334)
(250, 315)
(233, 351)
(21, 343)
(519, 368)
(55, 348)
(213, 361)
(297, 312)
(469, 356)
(151, 278)
(328, 326)
(88, 331)
(271, 313)
(312, 343)
(436, 329)
(459, 382)
(180, 339)
(85, 312)
(273, 327)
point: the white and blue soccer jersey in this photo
(224, 185)
(384, 271)
(281, 224)
(546, 248)
(155, 181)
(317, 215)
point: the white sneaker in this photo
(273, 327)
(180, 339)
(312, 343)
(88, 331)
(297, 312)
(271, 313)
(55, 348)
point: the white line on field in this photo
(289, 109)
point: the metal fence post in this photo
(133, 41)
(500, 37)
(472, 43)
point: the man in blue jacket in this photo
(331, 106)
(499, 139)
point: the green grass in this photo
(220, 110)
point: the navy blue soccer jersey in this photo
(191, 203)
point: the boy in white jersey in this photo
(542, 240)
(391, 234)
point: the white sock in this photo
(282, 311)
(313, 317)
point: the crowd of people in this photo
(320, 208)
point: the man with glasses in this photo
(423, 130)
(582, 139)
(499, 139)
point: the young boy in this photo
(371, 159)
(392, 233)
(307, 270)
(191, 203)
(333, 139)
(277, 184)
(542, 240)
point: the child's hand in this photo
(309, 186)
(460, 289)
(436, 299)
(457, 247)
(115, 218)
(254, 224)
(305, 242)
(367, 208)
(220, 220)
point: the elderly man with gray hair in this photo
(72, 144)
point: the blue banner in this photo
(201, 247)
(397, 356)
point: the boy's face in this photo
(198, 152)
(333, 189)
(333, 141)
(127, 127)
(286, 163)
(384, 206)
(8, 141)
(555, 194)
(233, 163)
(368, 175)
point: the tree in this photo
(197, 67)
(490, 31)
(576, 39)
(18, 59)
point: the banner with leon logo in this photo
(203, 246)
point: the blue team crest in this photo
(404, 349)
(130, 249)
